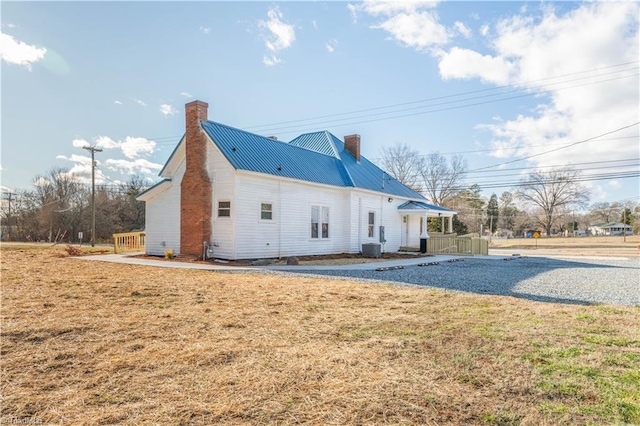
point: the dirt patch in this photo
(328, 259)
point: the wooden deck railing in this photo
(457, 245)
(130, 241)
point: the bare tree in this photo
(552, 191)
(442, 179)
(605, 212)
(403, 163)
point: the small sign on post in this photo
(80, 235)
(536, 235)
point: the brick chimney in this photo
(195, 189)
(352, 144)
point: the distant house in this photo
(249, 196)
(611, 228)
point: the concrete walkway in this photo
(131, 260)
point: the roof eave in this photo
(152, 191)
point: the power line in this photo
(269, 126)
(558, 149)
(447, 96)
(514, 148)
(491, 173)
(297, 127)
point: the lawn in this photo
(102, 343)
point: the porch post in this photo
(442, 225)
(451, 224)
(425, 235)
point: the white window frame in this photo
(223, 209)
(262, 203)
(321, 212)
(371, 227)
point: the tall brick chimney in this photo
(352, 144)
(195, 189)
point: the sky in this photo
(511, 86)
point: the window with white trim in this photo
(319, 222)
(224, 208)
(371, 225)
(266, 211)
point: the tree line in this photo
(552, 200)
(58, 209)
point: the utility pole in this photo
(624, 224)
(93, 150)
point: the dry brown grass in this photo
(576, 246)
(100, 343)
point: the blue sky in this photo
(117, 75)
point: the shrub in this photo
(73, 251)
(168, 254)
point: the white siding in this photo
(289, 233)
(162, 225)
(222, 176)
(386, 214)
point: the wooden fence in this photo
(130, 241)
(457, 245)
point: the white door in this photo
(404, 238)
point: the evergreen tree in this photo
(493, 212)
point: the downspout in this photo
(279, 218)
(359, 224)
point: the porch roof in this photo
(418, 207)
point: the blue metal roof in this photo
(318, 142)
(314, 157)
(248, 151)
(419, 205)
(367, 175)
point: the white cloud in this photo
(139, 102)
(75, 158)
(117, 102)
(106, 142)
(419, 29)
(331, 45)
(541, 45)
(353, 9)
(271, 60)
(6, 190)
(79, 143)
(615, 183)
(412, 23)
(131, 147)
(41, 182)
(17, 52)
(484, 30)
(134, 147)
(465, 64)
(277, 36)
(186, 95)
(462, 29)
(205, 30)
(314, 24)
(167, 109)
(132, 167)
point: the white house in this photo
(611, 228)
(250, 196)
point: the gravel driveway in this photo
(615, 281)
